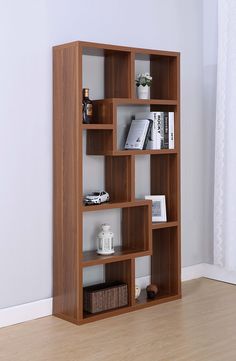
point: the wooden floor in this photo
(201, 326)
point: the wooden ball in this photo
(152, 291)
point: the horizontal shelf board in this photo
(135, 101)
(158, 225)
(89, 317)
(91, 258)
(143, 301)
(145, 151)
(136, 152)
(97, 126)
(111, 205)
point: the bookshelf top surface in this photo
(90, 45)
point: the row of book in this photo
(152, 130)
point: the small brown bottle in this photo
(87, 107)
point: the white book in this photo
(155, 140)
(171, 130)
(137, 134)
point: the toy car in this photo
(96, 198)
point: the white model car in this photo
(96, 198)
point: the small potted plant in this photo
(143, 83)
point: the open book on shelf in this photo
(139, 134)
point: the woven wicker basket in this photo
(105, 296)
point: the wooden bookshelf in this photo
(140, 237)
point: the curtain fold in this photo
(225, 139)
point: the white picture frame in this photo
(158, 208)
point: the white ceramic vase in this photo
(105, 240)
(143, 92)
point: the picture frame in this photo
(158, 207)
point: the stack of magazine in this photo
(152, 130)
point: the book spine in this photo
(158, 132)
(148, 134)
(162, 130)
(171, 131)
(166, 131)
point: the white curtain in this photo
(225, 146)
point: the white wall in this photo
(209, 107)
(28, 31)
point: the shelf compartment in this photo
(91, 258)
(106, 71)
(99, 142)
(131, 223)
(143, 301)
(119, 271)
(164, 181)
(163, 69)
(165, 261)
(103, 112)
(119, 178)
(164, 77)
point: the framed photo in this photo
(158, 208)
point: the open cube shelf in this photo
(135, 233)
(120, 271)
(164, 71)
(89, 156)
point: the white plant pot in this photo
(143, 92)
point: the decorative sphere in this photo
(152, 291)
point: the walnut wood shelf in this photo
(110, 205)
(135, 101)
(139, 236)
(159, 225)
(91, 258)
(145, 151)
(143, 301)
(97, 126)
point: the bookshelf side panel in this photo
(67, 184)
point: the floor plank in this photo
(200, 327)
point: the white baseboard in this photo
(33, 310)
(26, 312)
(219, 274)
(192, 272)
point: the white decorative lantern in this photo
(137, 291)
(105, 240)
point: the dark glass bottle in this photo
(87, 107)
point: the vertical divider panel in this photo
(118, 178)
(132, 285)
(117, 74)
(164, 174)
(120, 271)
(137, 227)
(132, 177)
(132, 75)
(114, 122)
